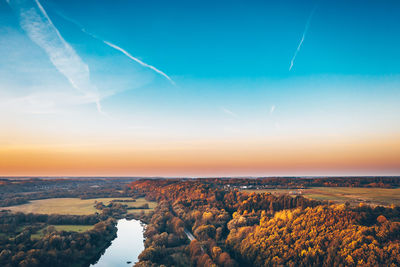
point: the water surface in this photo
(126, 247)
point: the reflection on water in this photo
(126, 247)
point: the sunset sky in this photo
(199, 88)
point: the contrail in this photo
(41, 30)
(114, 46)
(138, 60)
(302, 37)
(77, 24)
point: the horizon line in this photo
(197, 177)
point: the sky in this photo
(199, 88)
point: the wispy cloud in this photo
(272, 109)
(116, 47)
(41, 30)
(229, 112)
(302, 37)
(44, 102)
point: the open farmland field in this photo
(140, 202)
(73, 206)
(376, 196)
(272, 191)
(73, 228)
(70, 228)
(354, 195)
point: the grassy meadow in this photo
(140, 202)
(354, 195)
(73, 206)
(70, 228)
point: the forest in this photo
(209, 222)
(236, 228)
(55, 248)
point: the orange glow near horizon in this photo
(375, 156)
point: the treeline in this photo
(11, 194)
(230, 227)
(37, 184)
(291, 182)
(10, 222)
(56, 248)
(298, 182)
(116, 209)
(12, 199)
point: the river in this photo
(126, 247)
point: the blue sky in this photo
(239, 38)
(71, 70)
(248, 39)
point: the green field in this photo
(354, 195)
(70, 228)
(138, 203)
(73, 228)
(272, 191)
(73, 206)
